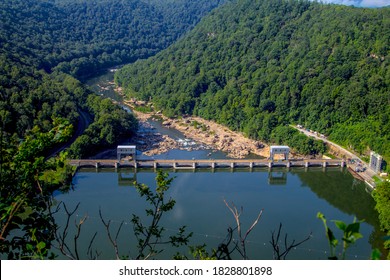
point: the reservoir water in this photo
(290, 197)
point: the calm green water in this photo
(103, 85)
(291, 198)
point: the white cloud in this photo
(375, 3)
(359, 3)
(342, 2)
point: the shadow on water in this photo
(342, 191)
(349, 195)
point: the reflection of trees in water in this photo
(339, 190)
(349, 196)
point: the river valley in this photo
(290, 197)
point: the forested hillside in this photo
(257, 66)
(80, 37)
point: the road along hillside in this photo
(366, 175)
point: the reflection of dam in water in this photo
(127, 179)
(276, 177)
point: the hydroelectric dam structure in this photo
(178, 164)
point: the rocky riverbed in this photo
(200, 133)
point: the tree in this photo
(381, 195)
(150, 236)
(350, 235)
(27, 183)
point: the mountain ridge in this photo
(257, 66)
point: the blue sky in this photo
(360, 3)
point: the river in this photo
(292, 198)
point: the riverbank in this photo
(354, 162)
(207, 133)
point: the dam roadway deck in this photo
(204, 163)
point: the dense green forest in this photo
(81, 37)
(382, 199)
(257, 66)
(111, 125)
